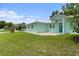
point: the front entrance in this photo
(60, 27)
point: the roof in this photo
(40, 21)
(57, 16)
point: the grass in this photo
(26, 44)
(2, 30)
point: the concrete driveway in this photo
(46, 33)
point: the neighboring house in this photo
(58, 24)
(38, 26)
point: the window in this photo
(32, 26)
(50, 26)
(53, 25)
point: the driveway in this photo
(46, 33)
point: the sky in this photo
(27, 12)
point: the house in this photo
(58, 24)
(38, 26)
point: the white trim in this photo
(48, 22)
(63, 25)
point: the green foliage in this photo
(12, 28)
(72, 11)
(55, 12)
(5, 25)
(21, 26)
(2, 24)
(9, 24)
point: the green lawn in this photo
(2, 30)
(24, 44)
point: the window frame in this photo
(50, 26)
(53, 25)
(31, 26)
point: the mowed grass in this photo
(26, 44)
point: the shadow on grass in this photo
(75, 38)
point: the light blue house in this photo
(58, 24)
(38, 26)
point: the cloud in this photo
(33, 16)
(10, 16)
(30, 19)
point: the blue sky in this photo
(28, 11)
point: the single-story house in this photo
(38, 26)
(58, 24)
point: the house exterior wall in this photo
(30, 29)
(54, 28)
(67, 28)
(56, 24)
(42, 27)
(37, 27)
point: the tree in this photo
(6, 28)
(21, 26)
(56, 12)
(9, 24)
(72, 12)
(12, 28)
(2, 24)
